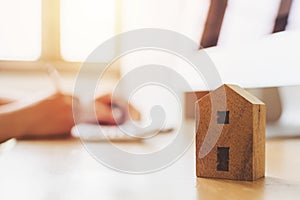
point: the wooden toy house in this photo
(238, 152)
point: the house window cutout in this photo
(223, 159)
(223, 117)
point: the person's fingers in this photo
(107, 98)
(104, 114)
(119, 106)
(110, 111)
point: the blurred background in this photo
(62, 33)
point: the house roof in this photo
(240, 91)
(245, 94)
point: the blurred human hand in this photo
(111, 111)
(50, 116)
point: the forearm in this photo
(14, 119)
(10, 125)
(37, 117)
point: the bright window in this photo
(20, 32)
(85, 24)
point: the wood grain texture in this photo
(63, 169)
(243, 135)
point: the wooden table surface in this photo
(63, 169)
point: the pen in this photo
(55, 77)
